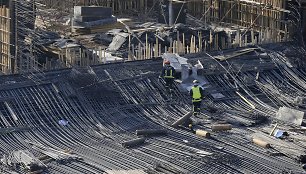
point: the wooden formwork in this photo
(259, 15)
(12, 20)
(118, 6)
(258, 21)
(5, 22)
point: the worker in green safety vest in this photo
(168, 74)
(196, 93)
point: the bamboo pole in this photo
(146, 49)
(104, 56)
(129, 47)
(137, 54)
(139, 51)
(133, 52)
(184, 45)
(174, 47)
(156, 47)
(150, 52)
(100, 55)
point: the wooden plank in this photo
(290, 149)
(235, 54)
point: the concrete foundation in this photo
(103, 12)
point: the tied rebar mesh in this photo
(105, 105)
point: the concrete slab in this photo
(92, 11)
(89, 18)
(290, 115)
(176, 61)
(77, 24)
(118, 41)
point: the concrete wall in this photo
(91, 11)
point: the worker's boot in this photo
(171, 93)
(188, 123)
(198, 111)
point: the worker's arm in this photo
(162, 74)
(202, 92)
(190, 92)
(173, 70)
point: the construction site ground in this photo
(81, 118)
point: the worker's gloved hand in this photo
(159, 78)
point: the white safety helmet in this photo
(195, 82)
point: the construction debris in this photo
(177, 31)
(285, 147)
(261, 143)
(272, 131)
(182, 119)
(63, 122)
(221, 127)
(134, 142)
(24, 158)
(280, 134)
(103, 79)
(202, 133)
(302, 129)
(57, 155)
(236, 54)
(290, 115)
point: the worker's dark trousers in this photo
(169, 83)
(196, 107)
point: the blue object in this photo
(278, 133)
(63, 122)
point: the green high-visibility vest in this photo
(170, 75)
(196, 94)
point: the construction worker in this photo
(167, 74)
(196, 93)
